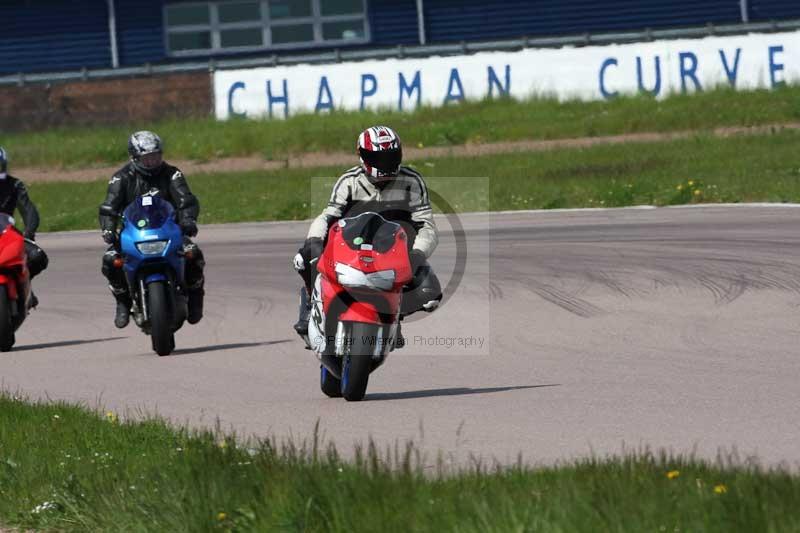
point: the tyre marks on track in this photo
(565, 300)
(571, 283)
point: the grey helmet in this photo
(143, 144)
(3, 160)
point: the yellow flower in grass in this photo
(720, 489)
(672, 474)
(679, 187)
(698, 192)
(112, 417)
(691, 183)
(221, 516)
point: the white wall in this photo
(589, 73)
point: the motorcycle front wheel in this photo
(160, 323)
(357, 364)
(6, 324)
(329, 384)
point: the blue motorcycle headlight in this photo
(152, 247)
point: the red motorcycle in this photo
(356, 301)
(15, 282)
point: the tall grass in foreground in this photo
(68, 469)
(696, 170)
(470, 122)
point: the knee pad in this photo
(423, 293)
(114, 275)
(37, 259)
(194, 255)
(107, 267)
(195, 262)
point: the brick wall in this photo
(110, 101)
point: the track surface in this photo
(674, 328)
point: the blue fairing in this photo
(150, 219)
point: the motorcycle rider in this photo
(14, 195)
(148, 173)
(379, 184)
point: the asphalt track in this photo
(602, 331)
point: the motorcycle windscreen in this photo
(149, 212)
(370, 229)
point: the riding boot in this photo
(196, 297)
(399, 341)
(123, 314)
(301, 326)
(34, 301)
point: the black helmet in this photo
(3, 161)
(146, 151)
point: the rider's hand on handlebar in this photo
(298, 263)
(189, 228)
(310, 252)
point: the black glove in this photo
(418, 260)
(31, 236)
(189, 228)
(312, 249)
(109, 236)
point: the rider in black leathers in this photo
(147, 173)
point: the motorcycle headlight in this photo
(151, 247)
(354, 278)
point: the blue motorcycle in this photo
(151, 244)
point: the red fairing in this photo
(364, 305)
(12, 249)
(12, 259)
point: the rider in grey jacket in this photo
(380, 184)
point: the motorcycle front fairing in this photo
(363, 269)
(151, 242)
(14, 267)
(12, 260)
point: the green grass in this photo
(735, 169)
(64, 468)
(476, 122)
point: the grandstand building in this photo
(53, 36)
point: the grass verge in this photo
(67, 469)
(472, 122)
(700, 169)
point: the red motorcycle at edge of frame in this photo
(15, 282)
(356, 301)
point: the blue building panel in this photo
(774, 9)
(53, 35)
(394, 23)
(465, 20)
(140, 31)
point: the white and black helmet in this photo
(146, 151)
